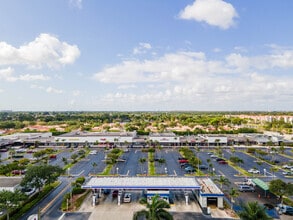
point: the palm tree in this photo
(274, 170)
(142, 160)
(94, 164)
(233, 194)
(155, 210)
(253, 211)
(223, 181)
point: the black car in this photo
(183, 165)
(220, 159)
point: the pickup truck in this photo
(285, 209)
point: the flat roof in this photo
(142, 183)
(209, 187)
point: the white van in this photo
(246, 188)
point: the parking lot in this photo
(130, 165)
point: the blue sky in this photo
(148, 55)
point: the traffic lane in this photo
(280, 158)
(219, 169)
(248, 161)
(131, 166)
(289, 152)
(59, 159)
(96, 162)
(57, 192)
(86, 165)
(263, 167)
(171, 165)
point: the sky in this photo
(147, 55)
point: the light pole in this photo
(213, 170)
(117, 169)
(166, 171)
(265, 172)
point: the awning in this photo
(261, 184)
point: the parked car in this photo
(18, 172)
(189, 169)
(93, 152)
(220, 159)
(203, 167)
(286, 166)
(254, 171)
(115, 193)
(53, 156)
(184, 165)
(248, 182)
(127, 197)
(213, 156)
(222, 162)
(183, 161)
(284, 209)
(246, 188)
(28, 191)
(181, 158)
(287, 173)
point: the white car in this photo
(127, 197)
(93, 152)
(254, 171)
(213, 156)
(287, 166)
(286, 173)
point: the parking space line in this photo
(175, 173)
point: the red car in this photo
(223, 162)
(183, 161)
(17, 172)
(53, 156)
(115, 193)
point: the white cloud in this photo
(214, 12)
(76, 3)
(7, 74)
(53, 90)
(127, 86)
(179, 66)
(142, 48)
(45, 50)
(76, 93)
(190, 80)
(29, 77)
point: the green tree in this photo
(142, 160)
(37, 176)
(223, 181)
(233, 194)
(64, 160)
(274, 170)
(280, 188)
(94, 164)
(10, 200)
(155, 210)
(253, 211)
(74, 157)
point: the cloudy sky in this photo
(151, 55)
